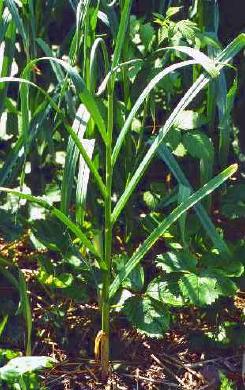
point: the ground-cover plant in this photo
(107, 136)
(20, 372)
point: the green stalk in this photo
(105, 305)
(108, 241)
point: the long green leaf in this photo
(25, 307)
(227, 54)
(18, 22)
(24, 81)
(88, 161)
(4, 22)
(14, 159)
(85, 96)
(8, 275)
(60, 75)
(121, 32)
(3, 324)
(69, 129)
(58, 214)
(225, 101)
(200, 58)
(165, 154)
(72, 154)
(207, 63)
(168, 221)
(93, 73)
(82, 181)
(7, 60)
(152, 84)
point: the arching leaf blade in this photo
(57, 213)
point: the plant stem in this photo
(108, 242)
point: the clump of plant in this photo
(102, 128)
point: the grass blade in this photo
(5, 19)
(88, 161)
(82, 181)
(25, 308)
(72, 154)
(7, 59)
(165, 154)
(58, 73)
(224, 57)
(152, 84)
(168, 221)
(184, 193)
(207, 63)
(18, 22)
(99, 42)
(225, 102)
(14, 159)
(58, 214)
(3, 324)
(121, 32)
(85, 96)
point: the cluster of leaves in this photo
(19, 373)
(40, 156)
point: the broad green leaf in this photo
(62, 280)
(180, 261)
(168, 221)
(165, 292)
(21, 365)
(10, 227)
(120, 299)
(151, 200)
(171, 11)
(52, 234)
(198, 145)
(189, 120)
(135, 281)
(150, 317)
(199, 290)
(147, 34)
(224, 285)
(186, 28)
(230, 266)
(233, 202)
